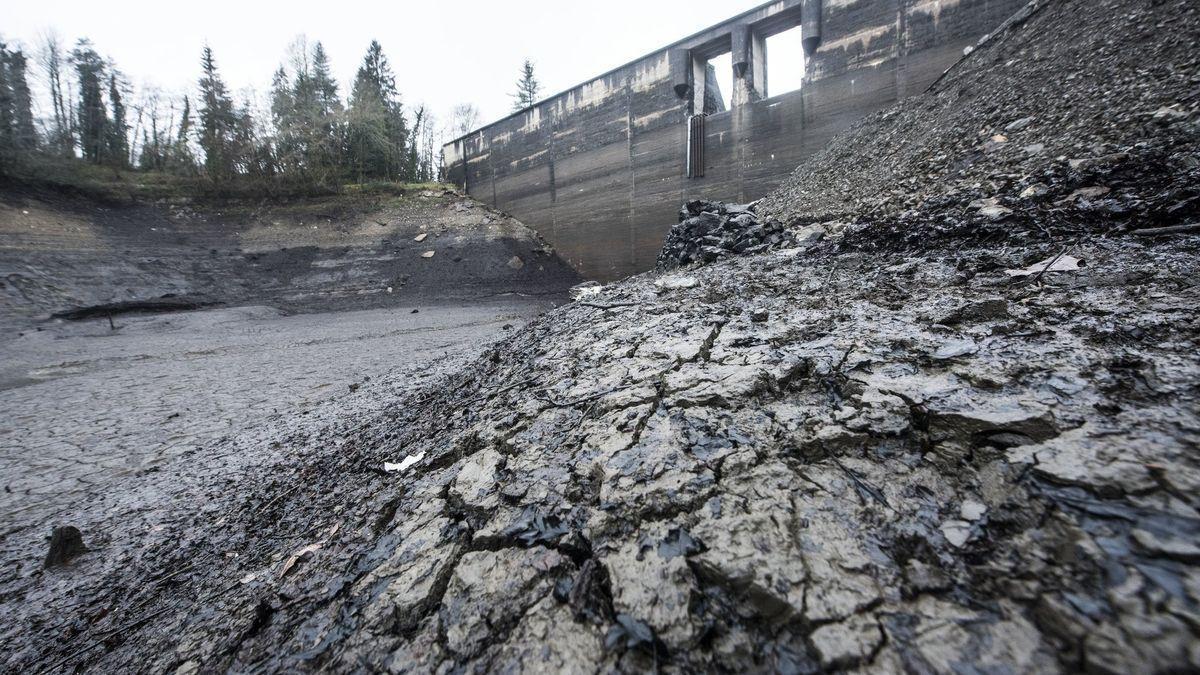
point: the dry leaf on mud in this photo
(303, 553)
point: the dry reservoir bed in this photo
(90, 412)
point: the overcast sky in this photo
(443, 53)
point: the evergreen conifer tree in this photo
(527, 88)
(24, 135)
(92, 116)
(325, 137)
(377, 132)
(117, 131)
(7, 118)
(283, 107)
(217, 120)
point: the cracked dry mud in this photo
(883, 452)
(829, 488)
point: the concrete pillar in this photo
(749, 65)
(681, 76)
(810, 17)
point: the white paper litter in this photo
(405, 465)
(1066, 263)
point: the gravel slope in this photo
(1083, 117)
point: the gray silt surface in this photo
(90, 411)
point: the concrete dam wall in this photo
(600, 170)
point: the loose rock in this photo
(708, 231)
(66, 544)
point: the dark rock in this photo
(535, 528)
(589, 594)
(709, 231)
(677, 543)
(66, 544)
(983, 310)
(632, 634)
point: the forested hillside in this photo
(308, 132)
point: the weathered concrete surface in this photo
(600, 170)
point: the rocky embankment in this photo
(1055, 128)
(710, 231)
(72, 257)
(954, 431)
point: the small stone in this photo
(1034, 191)
(957, 532)
(1107, 162)
(809, 235)
(428, 254)
(675, 283)
(516, 263)
(1171, 547)
(992, 308)
(585, 290)
(1169, 114)
(421, 237)
(760, 316)
(972, 510)
(1034, 148)
(1019, 125)
(710, 231)
(955, 349)
(995, 212)
(1088, 193)
(66, 544)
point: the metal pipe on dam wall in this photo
(600, 170)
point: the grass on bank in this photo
(126, 186)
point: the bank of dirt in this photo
(70, 256)
(953, 428)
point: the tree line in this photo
(17, 133)
(306, 133)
